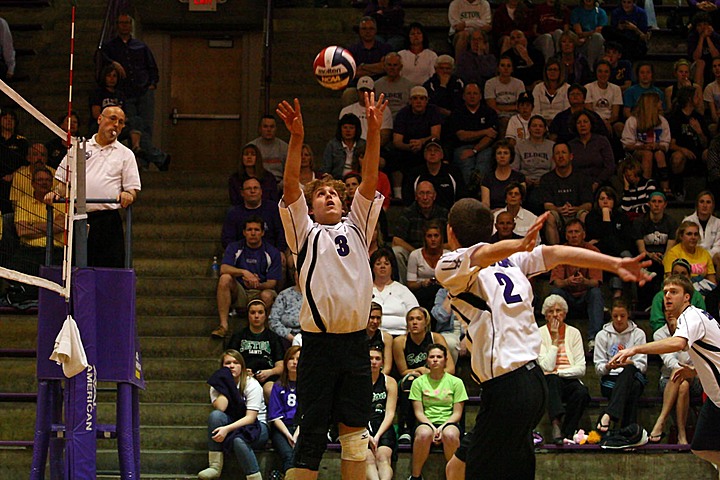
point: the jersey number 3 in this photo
(342, 245)
(506, 281)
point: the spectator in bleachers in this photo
(253, 205)
(251, 165)
(711, 96)
(550, 95)
(394, 297)
(681, 70)
(447, 325)
(393, 85)
(687, 246)
(447, 180)
(377, 338)
(709, 224)
(272, 149)
(438, 400)
(13, 154)
(417, 59)
(680, 266)
(522, 219)
(508, 16)
(629, 26)
(445, 89)
(352, 181)
(492, 190)
(389, 17)
(238, 422)
(635, 188)
(107, 93)
(503, 228)
(502, 92)
(367, 84)
(605, 98)
(527, 61)
(408, 234)
(7, 59)
(139, 77)
(551, 19)
(580, 287)
(282, 409)
(645, 72)
(410, 357)
(307, 162)
(592, 153)
(476, 64)
(647, 136)
(340, 151)
(368, 52)
(610, 230)
(22, 179)
(472, 129)
(260, 347)
(563, 129)
(466, 16)
(566, 193)
(56, 147)
(703, 44)
(250, 269)
(383, 183)
(533, 158)
(518, 128)
(31, 226)
(383, 439)
(284, 317)
(689, 139)
(575, 63)
(421, 265)
(621, 70)
(676, 394)
(415, 124)
(588, 20)
(621, 384)
(654, 234)
(562, 358)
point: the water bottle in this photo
(215, 268)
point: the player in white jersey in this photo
(698, 333)
(331, 256)
(490, 291)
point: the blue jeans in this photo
(592, 300)
(480, 162)
(143, 107)
(282, 446)
(243, 451)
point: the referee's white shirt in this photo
(333, 264)
(496, 304)
(702, 333)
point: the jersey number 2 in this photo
(506, 281)
(342, 245)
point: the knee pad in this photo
(354, 445)
(309, 450)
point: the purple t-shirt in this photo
(283, 403)
(265, 261)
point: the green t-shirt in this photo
(438, 396)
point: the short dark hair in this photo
(419, 26)
(437, 346)
(681, 281)
(575, 221)
(577, 86)
(254, 219)
(349, 119)
(519, 186)
(470, 221)
(267, 117)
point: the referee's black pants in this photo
(106, 239)
(500, 446)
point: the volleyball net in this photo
(32, 232)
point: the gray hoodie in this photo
(608, 342)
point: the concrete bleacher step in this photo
(175, 325)
(195, 267)
(186, 347)
(159, 285)
(180, 391)
(199, 230)
(172, 305)
(178, 248)
(160, 214)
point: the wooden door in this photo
(205, 80)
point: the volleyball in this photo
(334, 67)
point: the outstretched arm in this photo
(666, 345)
(628, 269)
(492, 253)
(371, 162)
(292, 116)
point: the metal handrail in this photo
(49, 242)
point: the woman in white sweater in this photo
(562, 358)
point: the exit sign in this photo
(202, 5)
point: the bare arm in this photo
(371, 163)
(390, 406)
(388, 352)
(292, 116)
(666, 345)
(491, 253)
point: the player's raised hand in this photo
(633, 270)
(530, 240)
(292, 116)
(374, 110)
